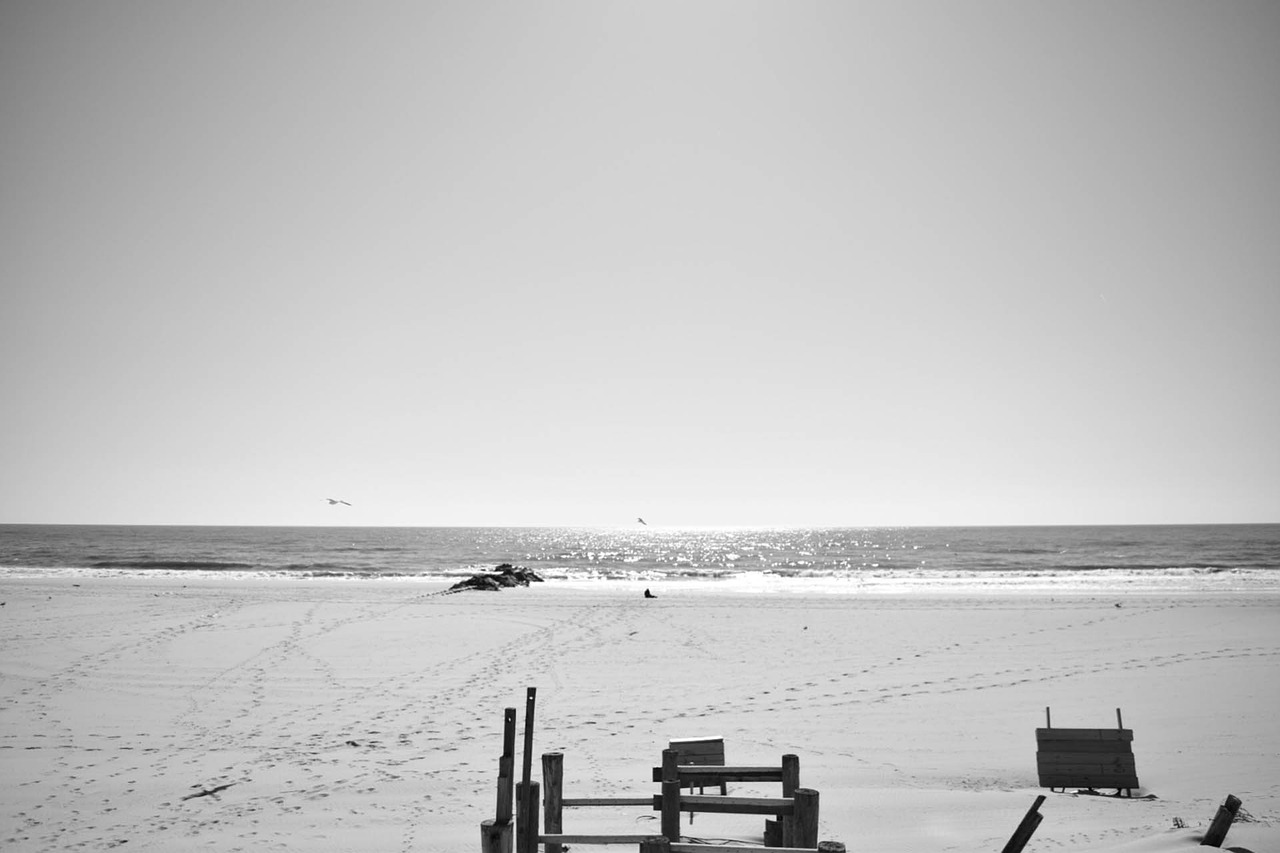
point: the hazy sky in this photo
(573, 262)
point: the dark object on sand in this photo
(1221, 822)
(1087, 758)
(648, 594)
(208, 792)
(506, 575)
(1026, 829)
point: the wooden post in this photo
(1026, 829)
(790, 782)
(670, 795)
(495, 836)
(522, 817)
(1119, 720)
(804, 832)
(790, 774)
(1221, 822)
(1048, 721)
(527, 817)
(830, 847)
(507, 766)
(528, 806)
(655, 844)
(553, 798)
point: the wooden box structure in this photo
(700, 751)
(1086, 758)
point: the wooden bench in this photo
(1086, 758)
(702, 752)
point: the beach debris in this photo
(1027, 828)
(648, 594)
(504, 575)
(336, 501)
(642, 521)
(1222, 822)
(208, 792)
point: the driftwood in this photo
(208, 792)
(505, 575)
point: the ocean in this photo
(1191, 558)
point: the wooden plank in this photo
(1084, 734)
(694, 774)
(607, 801)
(1089, 780)
(703, 848)
(1064, 761)
(731, 805)
(1085, 746)
(564, 838)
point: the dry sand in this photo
(367, 716)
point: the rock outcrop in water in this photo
(503, 576)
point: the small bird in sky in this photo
(333, 502)
(642, 521)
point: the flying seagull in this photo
(642, 521)
(332, 502)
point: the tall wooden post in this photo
(507, 766)
(670, 795)
(553, 796)
(1221, 822)
(805, 829)
(790, 782)
(496, 834)
(1026, 829)
(527, 804)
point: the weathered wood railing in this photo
(796, 811)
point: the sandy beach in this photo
(263, 715)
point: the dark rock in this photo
(506, 575)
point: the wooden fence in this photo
(791, 827)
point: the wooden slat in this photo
(1084, 780)
(607, 801)
(1066, 761)
(696, 774)
(1079, 747)
(1084, 734)
(559, 838)
(731, 805)
(703, 848)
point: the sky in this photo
(571, 263)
